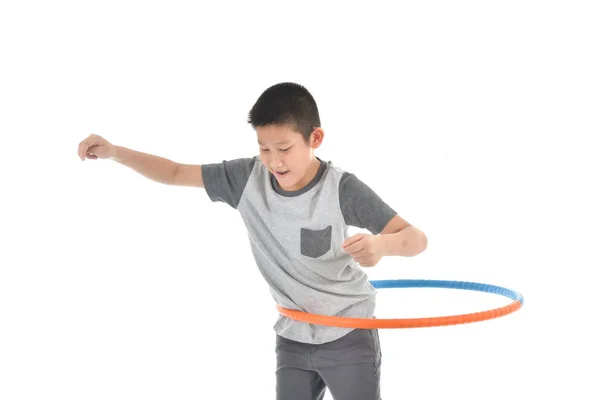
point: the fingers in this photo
(364, 262)
(81, 150)
(364, 258)
(85, 145)
(354, 248)
(351, 240)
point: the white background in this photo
(476, 121)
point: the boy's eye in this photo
(282, 150)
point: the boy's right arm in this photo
(160, 169)
(153, 167)
(188, 175)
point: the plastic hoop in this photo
(375, 323)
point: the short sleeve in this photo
(225, 181)
(361, 206)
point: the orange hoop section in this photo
(375, 323)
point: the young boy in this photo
(297, 209)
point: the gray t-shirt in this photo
(296, 238)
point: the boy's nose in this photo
(276, 162)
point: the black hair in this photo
(286, 103)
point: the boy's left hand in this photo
(365, 249)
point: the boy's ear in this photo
(316, 138)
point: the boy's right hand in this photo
(94, 147)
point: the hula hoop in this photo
(375, 323)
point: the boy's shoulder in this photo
(341, 172)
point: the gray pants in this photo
(349, 367)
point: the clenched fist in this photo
(94, 147)
(365, 249)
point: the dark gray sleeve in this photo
(225, 181)
(361, 206)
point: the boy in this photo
(297, 209)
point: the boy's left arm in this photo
(398, 238)
(389, 234)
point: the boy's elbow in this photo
(422, 243)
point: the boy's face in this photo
(287, 156)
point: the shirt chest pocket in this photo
(315, 242)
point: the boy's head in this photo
(286, 120)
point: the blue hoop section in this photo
(461, 285)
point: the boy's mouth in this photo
(281, 173)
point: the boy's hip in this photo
(359, 346)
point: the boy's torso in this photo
(296, 240)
